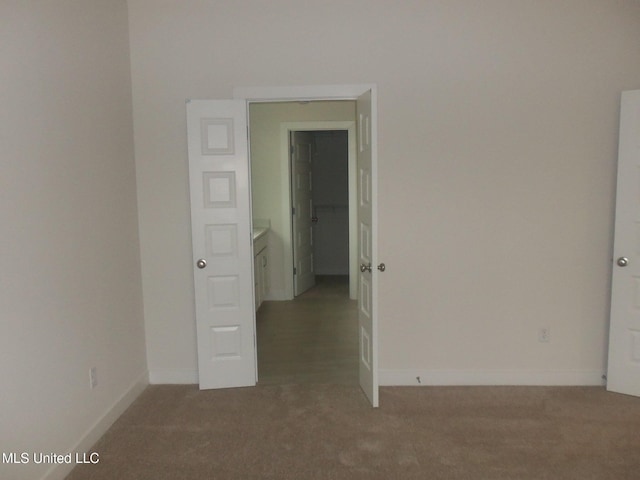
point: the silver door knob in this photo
(622, 261)
(365, 268)
(201, 263)
(382, 267)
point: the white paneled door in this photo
(623, 374)
(222, 247)
(302, 230)
(367, 292)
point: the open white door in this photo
(368, 284)
(221, 237)
(302, 229)
(623, 373)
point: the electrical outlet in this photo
(93, 377)
(544, 334)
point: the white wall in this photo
(267, 184)
(497, 147)
(70, 290)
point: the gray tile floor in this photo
(311, 339)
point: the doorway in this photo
(320, 217)
(271, 124)
(309, 333)
(217, 129)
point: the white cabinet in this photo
(261, 265)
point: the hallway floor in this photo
(311, 339)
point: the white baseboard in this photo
(173, 377)
(99, 428)
(390, 377)
(491, 377)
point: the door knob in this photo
(365, 268)
(382, 267)
(201, 263)
(622, 261)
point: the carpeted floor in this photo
(323, 431)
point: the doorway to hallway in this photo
(309, 332)
(361, 101)
(310, 339)
(320, 205)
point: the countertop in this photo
(259, 232)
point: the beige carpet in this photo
(327, 431)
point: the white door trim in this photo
(285, 129)
(307, 92)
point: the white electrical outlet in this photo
(544, 334)
(93, 377)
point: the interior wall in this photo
(70, 285)
(267, 183)
(498, 125)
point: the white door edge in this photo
(305, 92)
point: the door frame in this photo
(319, 126)
(332, 92)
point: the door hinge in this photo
(295, 271)
(293, 210)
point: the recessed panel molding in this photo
(223, 292)
(219, 189)
(221, 240)
(365, 348)
(365, 242)
(226, 342)
(365, 296)
(217, 136)
(365, 188)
